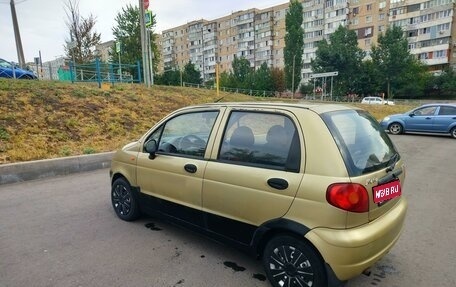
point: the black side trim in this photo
(278, 224)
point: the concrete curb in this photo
(23, 171)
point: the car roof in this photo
(437, 104)
(316, 107)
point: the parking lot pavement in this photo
(62, 231)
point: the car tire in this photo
(453, 132)
(395, 128)
(123, 200)
(289, 261)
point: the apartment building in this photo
(258, 35)
(430, 30)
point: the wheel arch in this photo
(275, 227)
(451, 127)
(287, 227)
(118, 175)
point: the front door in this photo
(173, 179)
(421, 120)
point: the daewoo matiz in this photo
(314, 191)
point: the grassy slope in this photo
(41, 120)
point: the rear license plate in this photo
(387, 191)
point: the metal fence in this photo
(250, 92)
(103, 72)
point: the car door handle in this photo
(191, 168)
(278, 183)
(428, 118)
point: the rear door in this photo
(445, 118)
(255, 173)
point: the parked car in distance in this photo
(313, 190)
(376, 101)
(10, 70)
(429, 118)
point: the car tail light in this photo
(348, 196)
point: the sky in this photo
(42, 22)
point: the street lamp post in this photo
(292, 78)
(202, 52)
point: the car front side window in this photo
(186, 134)
(427, 111)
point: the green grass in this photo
(44, 119)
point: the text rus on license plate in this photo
(387, 191)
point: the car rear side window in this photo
(447, 111)
(364, 145)
(261, 139)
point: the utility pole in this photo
(202, 51)
(292, 79)
(17, 36)
(144, 45)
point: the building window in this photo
(355, 11)
(440, 54)
(369, 7)
(368, 19)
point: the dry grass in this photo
(41, 120)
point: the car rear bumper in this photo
(351, 251)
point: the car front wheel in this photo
(395, 128)
(453, 132)
(291, 262)
(123, 200)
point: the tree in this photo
(191, 74)
(393, 60)
(263, 78)
(294, 44)
(169, 77)
(343, 55)
(128, 32)
(369, 79)
(278, 79)
(83, 38)
(241, 74)
(442, 85)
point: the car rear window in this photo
(364, 145)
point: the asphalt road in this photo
(63, 232)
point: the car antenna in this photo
(218, 100)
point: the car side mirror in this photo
(412, 115)
(151, 148)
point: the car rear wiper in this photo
(392, 162)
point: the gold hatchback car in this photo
(314, 190)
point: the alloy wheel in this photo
(290, 267)
(121, 200)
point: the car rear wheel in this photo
(395, 128)
(453, 132)
(289, 262)
(124, 201)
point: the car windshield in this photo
(364, 145)
(5, 64)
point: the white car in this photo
(376, 101)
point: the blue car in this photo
(430, 118)
(9, 70)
